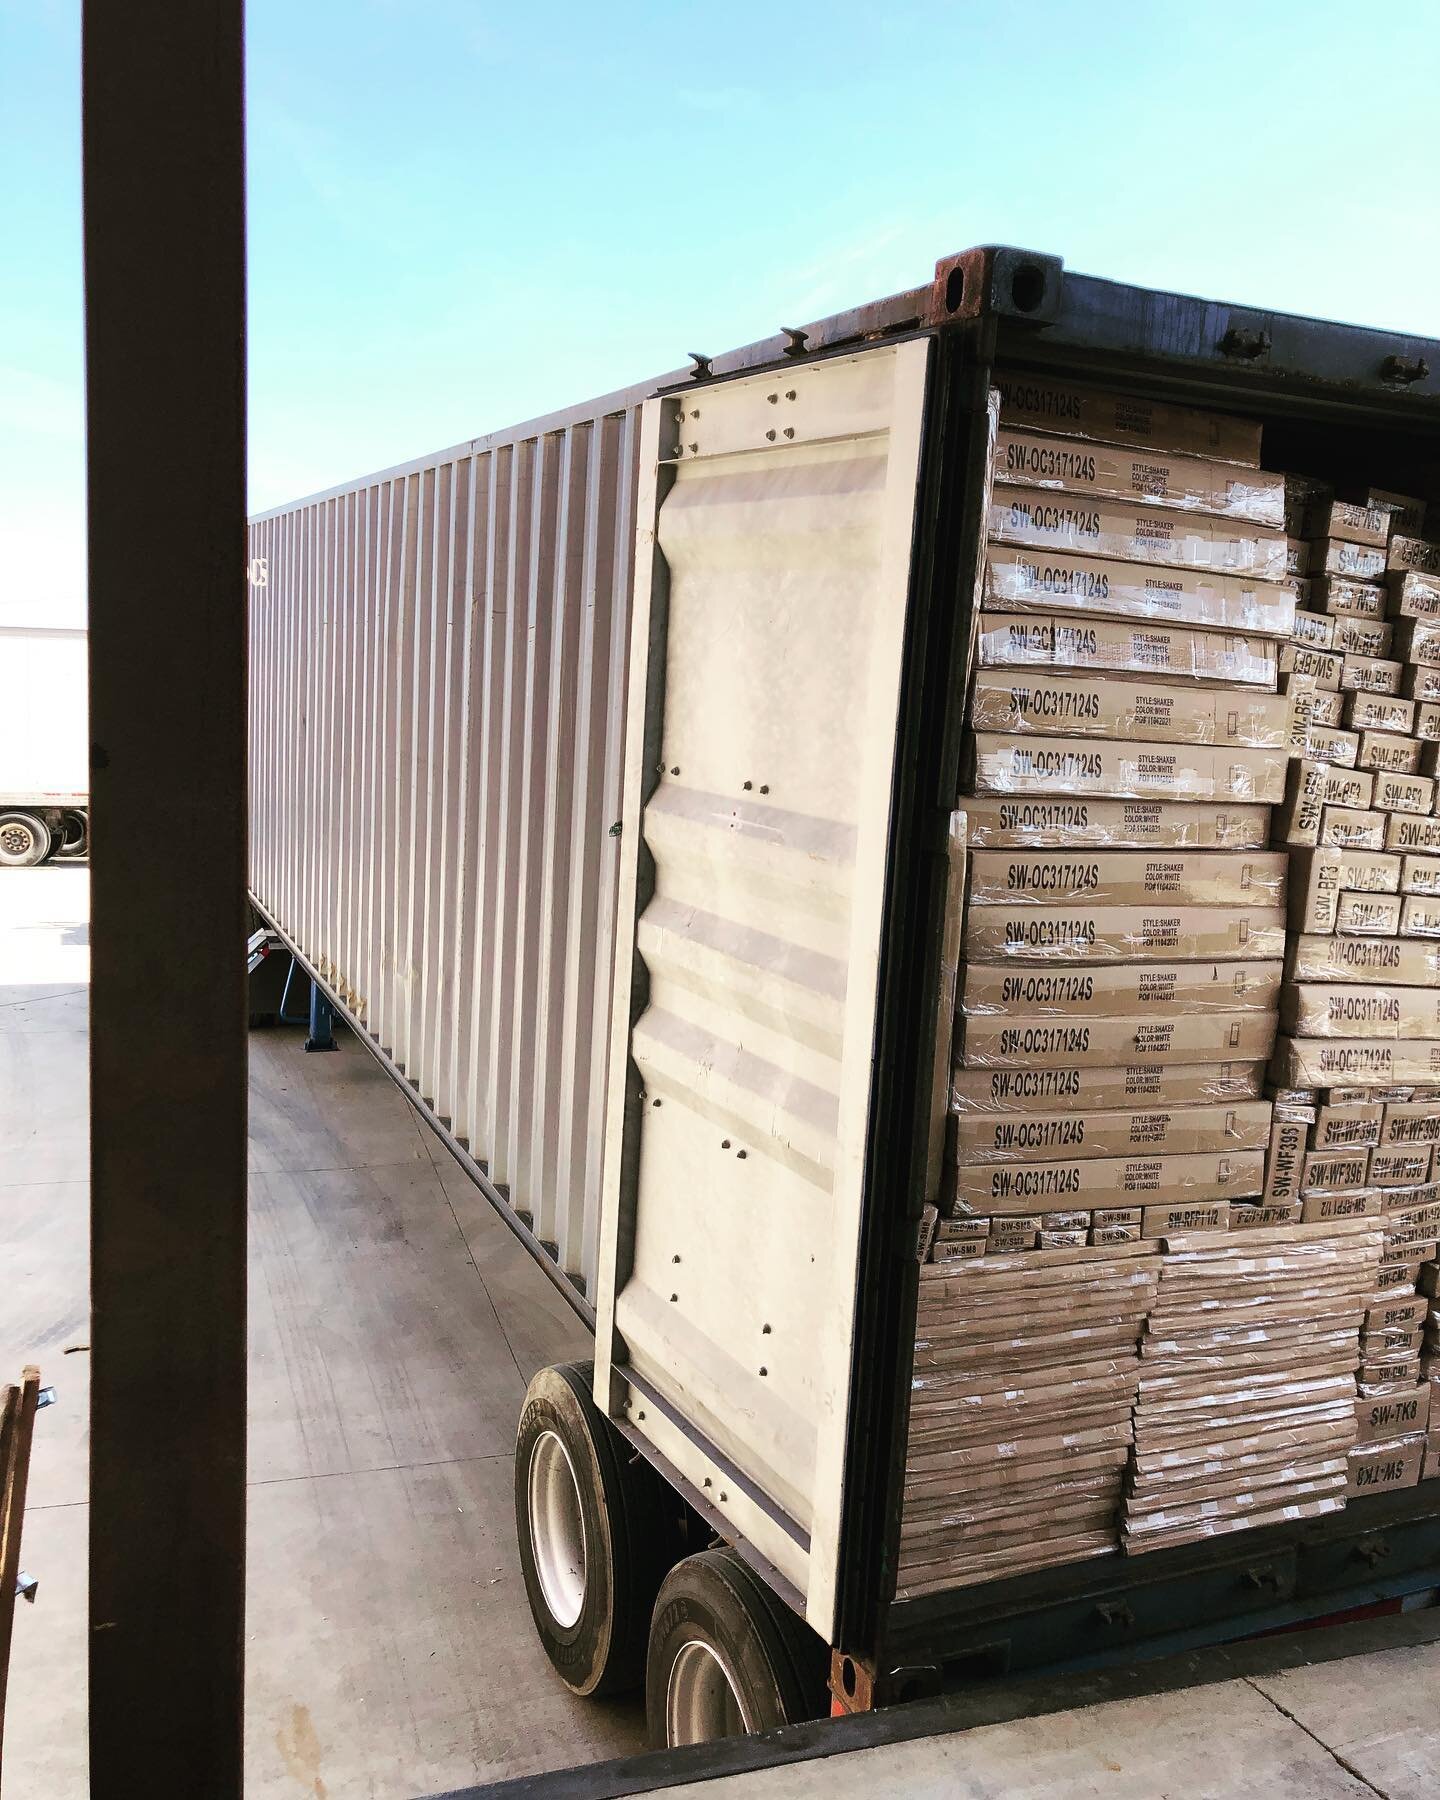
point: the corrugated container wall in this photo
(438, 665)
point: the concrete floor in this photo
(1339, 1731)
(394, 1323)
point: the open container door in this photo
(776, 520)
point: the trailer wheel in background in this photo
(597, 1530)
(24, 840)
(727, 1656)
(73, 836)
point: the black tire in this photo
(25, 839)
(716, 1613)
(632, 1532)
(73, 836)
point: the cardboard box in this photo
(1134, 532)
(1379, 712)
(1410, 1122)
(1358, 637)
(1341, 1127)
(1427, 757)
(1327, 709)
(956, 1249)
(1334, 556)
(1064, 823)
(1367, 915)
(1123, 933)
(1418, 641)
(1413, 553)
(1348, 1009)
(1323, 667)
(1317, 630)
(1377, 1468)
(1055, 581)
(1104, 1090)
(1419, 916)
(1341, 594)
(1090, 469)
(1384, 750)
(1409, 1309)
(1319, 877)
(1048, 404)
(990, 1042)
(1350, 828)
(1250, 1215)
(1427, 719)
(1125, 990)
(1282, 1162)
(1369, 675)
(1325, 1209)
(1406, 832)
(1352, 788)
(1038, 640)
(1413, 595)
(1130, 877)
(1211, 1215)
(1297, 557)
(1349, 520)
(1082, 767)
(1163, 1182)
(1334, 1171)
(1393, 1415)
(1325, 744)
(1420, 875)
(1407, 514)
(1400, 1168)
(1421, 681)
(1113, 707)
(1394, 960)
(1405, 793)
(1356, 1062)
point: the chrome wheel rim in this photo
(557, 1529)
(702, 1700)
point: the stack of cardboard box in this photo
(1122, 954)
(1125, 918)
(1357, 1104)
(1246, 1408)
(1025, 1372)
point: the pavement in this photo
(394, 1324)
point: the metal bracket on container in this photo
(797, 344)
(26, 1587)
(702, 370)
(1014, 284)
(1245, 342)
(858, 1686)
(1403, 370)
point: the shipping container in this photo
(44, 769)
(602, 775)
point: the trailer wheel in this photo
(597, 1530)
(727, 1656)
(24, 840)
(74, 836)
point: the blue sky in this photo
(464, 215)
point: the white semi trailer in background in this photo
(44, 773)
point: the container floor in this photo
(394, 1323)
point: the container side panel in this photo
(438, 678)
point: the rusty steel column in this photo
(165, 372)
